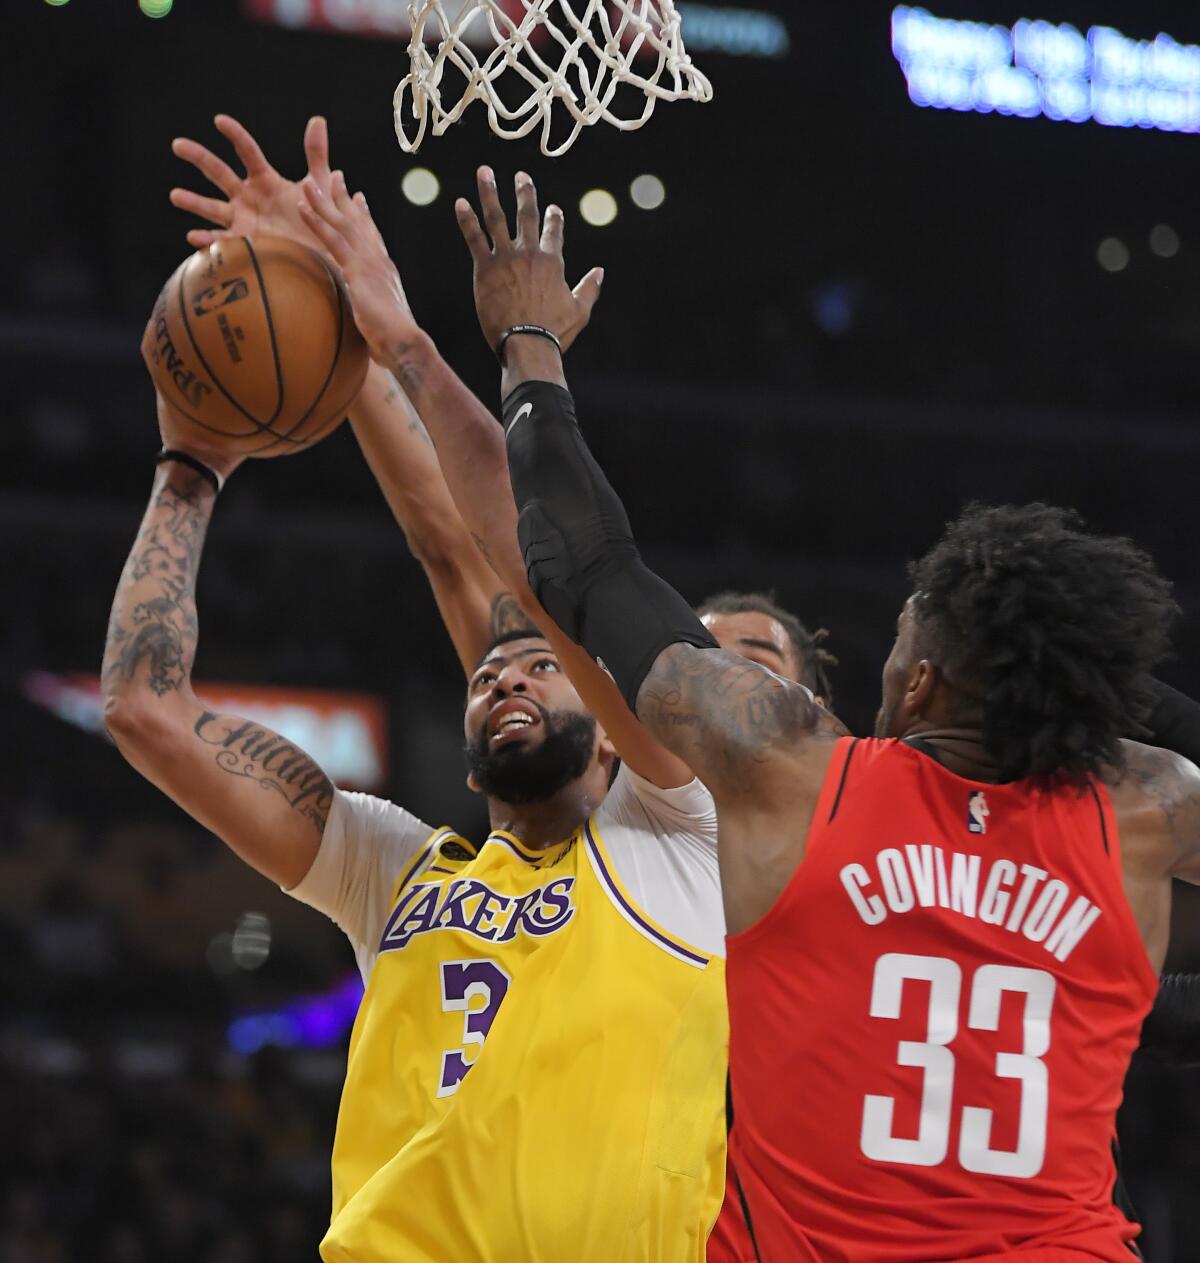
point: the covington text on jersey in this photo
(475, 908)
(1010, 895)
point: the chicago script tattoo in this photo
(247, 750)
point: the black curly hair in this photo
(1055, 628)
(814, 660)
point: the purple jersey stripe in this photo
(634, 915)
(512, 846)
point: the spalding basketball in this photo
(253, 341)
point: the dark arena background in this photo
(876, 287)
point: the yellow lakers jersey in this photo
(537, 1071)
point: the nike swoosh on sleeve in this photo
(522, 412)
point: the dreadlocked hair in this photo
(1057, 629)
(814, 660)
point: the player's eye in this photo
(483, 679)
(546, 664)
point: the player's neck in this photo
(546, 824)
(958, 750)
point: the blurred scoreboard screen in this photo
(1037, 68)
(730, 29)
(346, 733)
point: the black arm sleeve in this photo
(1174, 723)
(579, 551)
(1172, 1031)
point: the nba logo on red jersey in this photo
(977, 813)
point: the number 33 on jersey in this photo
(981, 986)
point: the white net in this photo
(546, 53)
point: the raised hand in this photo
(348, 234)
(261, 201)
(522, 280)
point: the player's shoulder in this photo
(1162, 775)
(1156, 791)
(633, 802)
(354, 811)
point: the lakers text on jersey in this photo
(537, 1070)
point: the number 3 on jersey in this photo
(935, 1058)
(463, 983)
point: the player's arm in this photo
(1172, 1031)
(737, 725)
(1157, 797)
(267, 799)
(473, 603)
(470, 446)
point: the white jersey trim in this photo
(629, 911)
(654, 852)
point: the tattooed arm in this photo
(475, 605)
(1158, 794)
(1156, 798)
(268, 800)
(728, 718)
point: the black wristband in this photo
(183, 458)
(537, 330)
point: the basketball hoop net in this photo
(578, 59)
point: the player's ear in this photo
(921, 686)
(604, 747)
(473, 784)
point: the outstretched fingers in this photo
(527, 211)
(493, 213)
(472, 231)
(587, 292)
(552, 231)
(214, 169)
(316, 148)
(368, 220)
(202, 238)
(323, 219)
(341, 195)
(252, 157)
(210, 208)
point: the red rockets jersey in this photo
(930, 1030)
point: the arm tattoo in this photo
(507, 615)
(481, 544)
(409, 375)
(154, 614)
(715, 708)
(255, 753)
(1170, 781)
(415, 424)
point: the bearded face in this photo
(531, 772)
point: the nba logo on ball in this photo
(977, 813)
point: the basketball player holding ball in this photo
(769, 637)
(444, 1148)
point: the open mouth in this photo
(509, 720)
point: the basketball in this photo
(254, 342)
